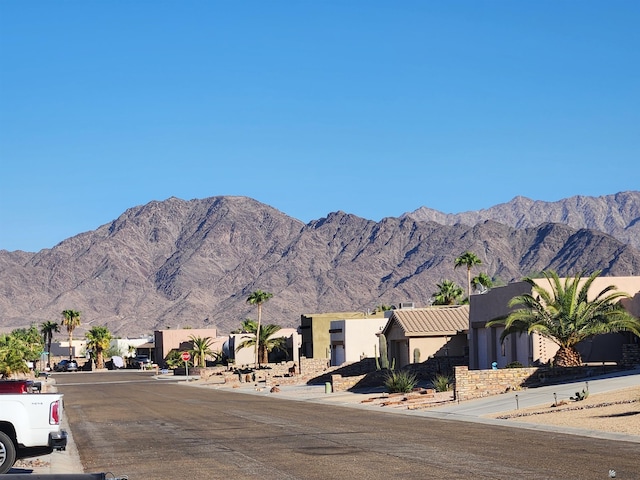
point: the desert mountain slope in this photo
(193, 263)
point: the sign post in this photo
(186, 356)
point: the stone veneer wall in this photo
(482, 383)
(342, 384)
(278, 373)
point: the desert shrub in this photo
(514, 365)
(583, 395)
(442, 383)
(400, 382)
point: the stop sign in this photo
(186, 356)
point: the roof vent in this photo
(407, 305)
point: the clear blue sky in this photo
(375, 108)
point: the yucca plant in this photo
(441, 383)
(400, 382)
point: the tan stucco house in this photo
(435, 331)
(247, 355)
(314, 327)
(179, 339)
(485, 346)
(355, 339)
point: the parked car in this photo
(66, 366)
(141, 362)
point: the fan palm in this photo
(267, 342)
(481, 281)
(47, 329)
(258, 298)
(449, 293)
(467, 259)
(71, 320)
(98, 340)
(201, 350)
(564, 314)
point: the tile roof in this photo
(446, 320)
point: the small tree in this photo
(201, 350)
(16, 348)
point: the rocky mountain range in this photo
(177, 263)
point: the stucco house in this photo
(436, 331)
(354, 339)
(247, 355)
(128, 347)
(485, 346)
(314, 327)
(61, 348)
(179, 339)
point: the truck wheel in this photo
(7, 453)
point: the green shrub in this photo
(400, 382)
(583, 395)
(442, 383)
(514, 365)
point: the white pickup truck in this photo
(29, 423)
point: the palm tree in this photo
(449, 293)
(70, 319)
(98, 340)
(47, 329)
(201, 350)
(564, 314)
(267, 341)
(246, 326)
(382, 308)
(258, 298)
(13, 351)
(467, 259)
(481, 281)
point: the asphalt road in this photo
(131, 424)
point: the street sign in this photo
(186, 356)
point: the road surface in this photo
(132, 424)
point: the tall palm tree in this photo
(47, 329)
(258, 298)
(481, 281)
(449, 293)
(201, 350)
(469, 260)
(267, 342)
(70, 319)
(98, 340)
(564, 314)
